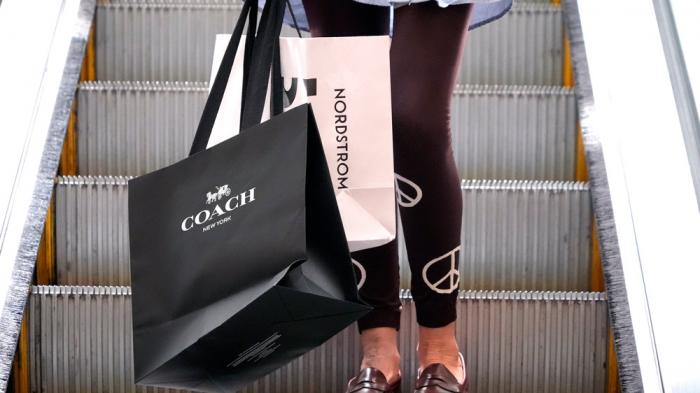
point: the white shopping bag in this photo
(346, 80)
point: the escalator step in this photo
(515, 132)
(522, 235)
(174, 40)
(525, 47)
(157, 40)
(500, 132)
(92, 232)
(131, 128)
(517, 235)
(80, 341)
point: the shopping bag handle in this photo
(248, 52)
(216, 93)
(265, 49)
(261, 43)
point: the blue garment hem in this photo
(483, 13)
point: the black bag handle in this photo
(266, 44)
(216, 94)
(257, 63)
(248, 51)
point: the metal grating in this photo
(80, 341)
(526, 235)
(517, 235)
(92, 232)
(150, 40)
(174, 40)
(129, 128)
(161, 40)
(525, 47)
(501, 132)
(515, 132)
(522, 235)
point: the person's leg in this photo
(425, 56)
(377, 268)
(379, 285)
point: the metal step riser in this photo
(166, 42)
(92, 234)
(135, 129)
(525, 47)
(522, 236)
(509, 132)
(159, 42)
(80, 341)
(516, 235)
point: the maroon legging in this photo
(425, 55)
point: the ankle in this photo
(387, 363)
(449, 357)
(441, 341)
(445, 356)
(380, 351)
(439, 345)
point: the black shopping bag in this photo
(239, 260)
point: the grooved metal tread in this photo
(517, 235)
(499, 132)
(80, 341)
(404, 294)
(185, 86)
(467, 184)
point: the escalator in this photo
(531, 317)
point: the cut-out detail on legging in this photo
(452, 275)
(403, 198)
(363, 273)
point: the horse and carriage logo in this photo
(221, 191)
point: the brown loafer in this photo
(371, 380)
(436, 378)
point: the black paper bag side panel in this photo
(205, 364)
(329, 264)
(211, 365)
(155, 346)
(320, 305)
